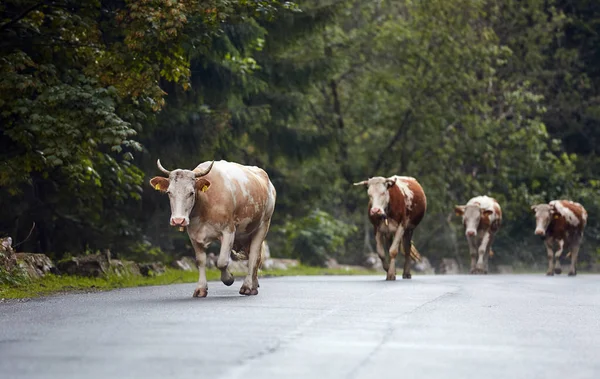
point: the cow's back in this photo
(491, 221)
(408, 202)
(570, 218)
(243, 193)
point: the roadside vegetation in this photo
(495, 97)
(56, 284)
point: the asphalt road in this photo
(520, 326)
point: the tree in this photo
(78, 80)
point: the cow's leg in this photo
(488, 247)
(202, 287)
(391, 272)
(574, 255)
(486, 257)
(550, 253)
(224, 254)
(472, 241)
(381, 250)
(557, 268)
(250, 285)
(481, 251)
(406, 244)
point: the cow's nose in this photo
(470, 233)
(376, 211)
(178, 221)
(539, 232)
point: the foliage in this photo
(78, 80)
(316, 237)
(469, 97)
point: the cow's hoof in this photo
(201, 292)
(558, 271)
(572, 273)
(549, 273)
(406, 276)
(227, 278)
(248, 291)
(390, 277)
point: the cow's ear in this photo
(390, 182)
(488, 212)
(202, 185)
(459, 210)
(159, 183)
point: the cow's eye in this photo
(190, 194)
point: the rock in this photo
(124, 268)
(93, 265)
(424, 267)
(332, 263)
(8, 259)
(284, 264)
(238, 267)
(505, 269)
(152, 269)
(373, 262)
(211, 260)
(274, 264)
(449, 266)
(185, 264)
(35, 265)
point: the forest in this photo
(471, 97)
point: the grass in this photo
(52, 284)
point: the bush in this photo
(315, 238)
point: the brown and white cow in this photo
(222, 201)
(396, 206)
(561, 222)
(482, 217)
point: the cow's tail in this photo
(414, 253)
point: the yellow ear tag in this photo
(555, 217)
(157, 187)
(205, 188)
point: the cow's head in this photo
(471, 215)
(543, 215)
(379, 196)
(181, 186)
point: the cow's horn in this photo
(361, 183)
(161, 168)
(199, 174)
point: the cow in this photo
(561, 222)
(482, 217)
(222, 201)
(397, 205)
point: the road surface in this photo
(519, 326)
